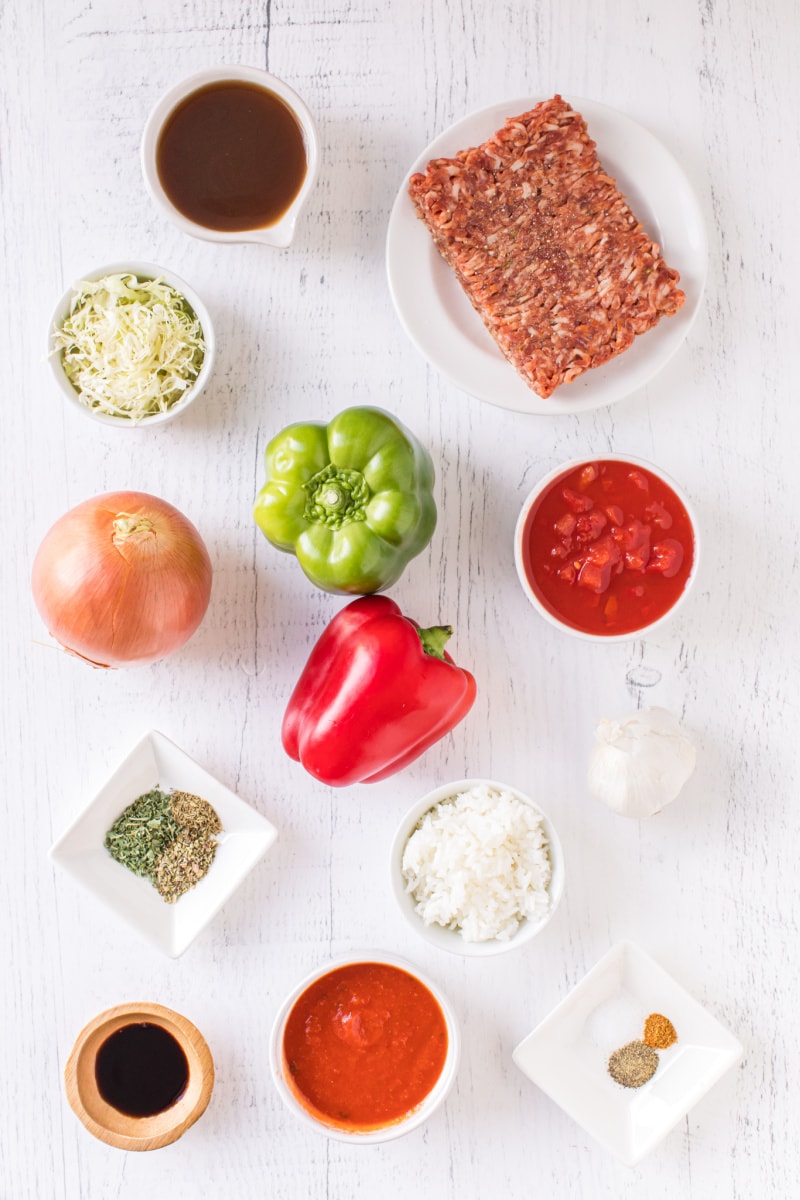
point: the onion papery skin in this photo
(121, 598)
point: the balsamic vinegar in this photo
(141, 1070)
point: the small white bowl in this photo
(451, 939)
(142, 270)
(156, 761)
(279, 234)
(414, 1119)
(522, 528)
(567, 1053)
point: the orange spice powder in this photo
(659, 1032)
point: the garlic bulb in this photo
(639, 764)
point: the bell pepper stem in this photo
(433, 640)
(332, 498)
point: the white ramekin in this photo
(142, 270)
(418, 1116)
(522, 529)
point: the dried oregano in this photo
(183, 863)
(193, 813)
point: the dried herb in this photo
(633, 1065)
(183, 864)
(169, 838)
(194, 813)
(141, 834)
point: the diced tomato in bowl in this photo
(606, 548)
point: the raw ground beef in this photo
(545, 246)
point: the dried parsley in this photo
(167, 837)
(141, 834)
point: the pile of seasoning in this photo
(659, 1032)
(637, 1062)
(169, 838)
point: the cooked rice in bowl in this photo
(479, 862)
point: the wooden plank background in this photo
(709, 887)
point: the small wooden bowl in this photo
(117, 1128)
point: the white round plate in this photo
(447, 331)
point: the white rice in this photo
(479, 862)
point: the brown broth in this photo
(231, 157)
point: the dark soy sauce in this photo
(141, 1070)
(231, 157)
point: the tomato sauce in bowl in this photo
(606, 547)
(365, 1050)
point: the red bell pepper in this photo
(376, 692)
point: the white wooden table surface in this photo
(709, 888)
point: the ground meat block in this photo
(545, 246)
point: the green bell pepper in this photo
(353, 500)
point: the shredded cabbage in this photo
(131, 347)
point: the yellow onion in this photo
(122, 579)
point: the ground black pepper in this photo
(633, 1065)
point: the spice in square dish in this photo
(545, 246)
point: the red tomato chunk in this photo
(595, 552)
(575, 502)
(364, 1045)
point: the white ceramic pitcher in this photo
(281, 232)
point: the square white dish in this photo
(567, 1054)
(246, 837)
